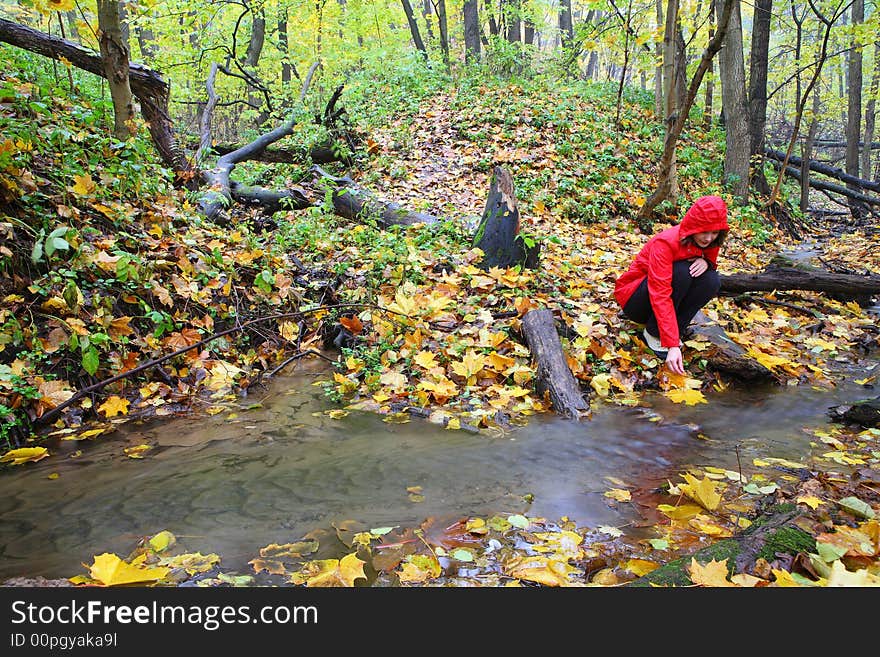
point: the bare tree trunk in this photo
(870, 114)
(854, 105)
(252, 61)
(114, 54)
(672, 135)
(758, 92)
(471, 17)
(512, 20)
(659, 103)
(146, 39)
(566, 26)
(710, 82)
(427, 10)
(444, 30)
(733, 97)
(288, 69)
(669, 96)
(414, 29)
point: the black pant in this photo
(689, 295)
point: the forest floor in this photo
(129, 275)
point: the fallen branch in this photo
(50, 415)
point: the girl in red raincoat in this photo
(674, 276)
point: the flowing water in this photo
(282, 468)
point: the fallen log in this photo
(726, 355)
(352, 203)
(811, 279)
(553, 373)
(824, 169)
(151, 90)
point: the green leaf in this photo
(90, 360)
(462, 554)
(829, 552)
(857, 507)
(37, 252)
(518, 520)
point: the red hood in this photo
(708, 213)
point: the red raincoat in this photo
(655, 260)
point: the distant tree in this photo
(566, 25)
(757, 97)
(414, 29)
(870, 117)
(733, 98)
(667, 157)
(854, 105)
(471, 19)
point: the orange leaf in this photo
(353, 324)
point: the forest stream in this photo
(281, 466)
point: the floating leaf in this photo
(110, 570)
(24, 454)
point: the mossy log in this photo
(765, 539)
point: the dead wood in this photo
(498, 233)
(553, 373)
(780, 277)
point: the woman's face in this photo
(705, 239)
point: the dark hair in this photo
(717, 242)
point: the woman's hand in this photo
(698, 267)
(674, 360)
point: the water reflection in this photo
(271, 473)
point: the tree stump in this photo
(498, 233)
(554, 375)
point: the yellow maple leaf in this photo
(337, 572)
(687, 395)
(162, 541)
(394, 380)
(840, 576)
(701, 491)
(110, 570)
(810, 500)
(419, 568)
(426, 359)
(601, 383)
(114, 406)
(713, 573)
(681, 512)
(84, 185)
(640, 566)
(469, 366)
(24, 454)
(403, 304)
